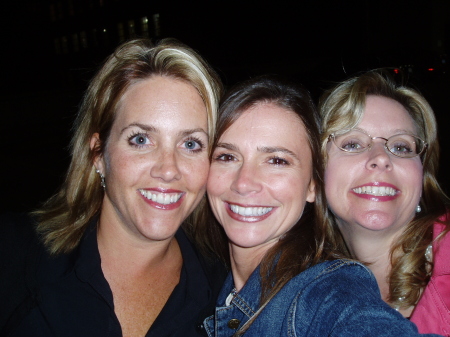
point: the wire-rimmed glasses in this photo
(400, 145)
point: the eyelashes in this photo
(274, 160)
(142, 140)
(138, 139)
(194, 144)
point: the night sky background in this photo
(316, 43)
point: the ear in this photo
(311, 193)
(94, 144)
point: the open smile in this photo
(248, 213)
(162, 198)
(377, 192)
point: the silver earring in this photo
(418, 209)
(102, 179)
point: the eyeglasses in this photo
(402, 145)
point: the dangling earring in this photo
(418, 209)
(102, 179)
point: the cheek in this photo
(218, 181)
(196, 173)
(414, 174)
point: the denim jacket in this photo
(333, 298)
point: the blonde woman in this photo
(110, 258)
(381, 153)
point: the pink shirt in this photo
(432, 314)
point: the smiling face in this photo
(156, 158)
(374, 190)
(261, 176)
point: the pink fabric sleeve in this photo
(432, 314)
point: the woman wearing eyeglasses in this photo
(381, 152)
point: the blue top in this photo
(334, 298)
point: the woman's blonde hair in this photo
(342, 108)
(63, 218)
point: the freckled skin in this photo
(149, 148)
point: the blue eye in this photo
(139, 139)
(190, 144)
(194, 145)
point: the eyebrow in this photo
(264, 149)
(395, 132)
(272, 149)
(151, 128)
(228, 146)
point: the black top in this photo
(69, 295)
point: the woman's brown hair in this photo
(310, 240)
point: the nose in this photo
(379, 157)
(166, 166)
(246, 180)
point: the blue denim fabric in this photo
(334, 298)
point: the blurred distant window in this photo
(75, 43)
(60, 10)
(144, 27)
(70, 7)
(65, 45)
(83, 40)
(52, 11)
(156, 24)
(121, 32)
(131, 29)
(57, 46)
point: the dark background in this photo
(50, 50)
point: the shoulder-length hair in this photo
(342, 108)
(64, 217)
(310, 240)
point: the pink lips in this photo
(161, 206)
(376, 191)
(244, 218)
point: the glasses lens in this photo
(352, 141)
(405, 146)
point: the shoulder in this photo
(19, 253)
(343, 297)
(338, 277)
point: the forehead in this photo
(268, 118)
(386, 116)
(163, 97)
(268, 124)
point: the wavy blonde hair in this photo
(63, 218)
(342, 108)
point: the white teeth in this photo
(161, 198)
(378, 191)
(250, 211)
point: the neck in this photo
(374, 248)
(120, 250)
(244, 261)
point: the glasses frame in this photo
(333, 136)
